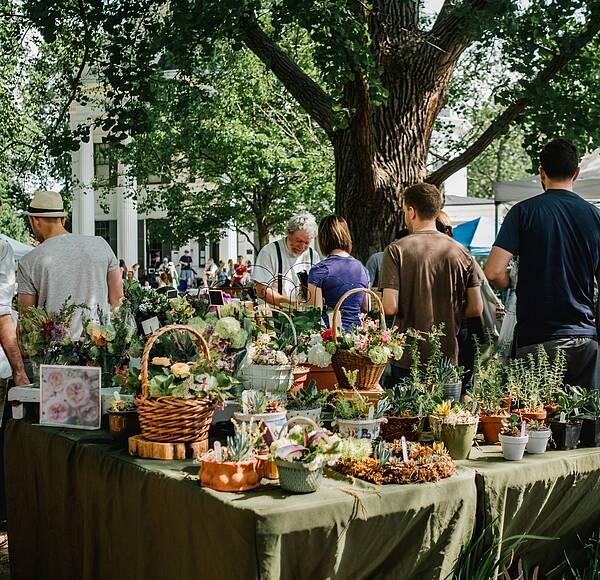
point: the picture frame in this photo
(70, 396)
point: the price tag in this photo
(523, 427)
(150, 325)
(371, 413)
(404, 449)
(245, 402)
(217, 449)
(116, 396)
(563, 418)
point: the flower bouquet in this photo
(178, 397)
(366, 348)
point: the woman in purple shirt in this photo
(339, 272)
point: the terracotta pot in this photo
(268, 467)
(397, 427)
(532, 415)
(123, 424)
(229, 475)
(300, 376)
(551, 408)
(491, 425)
(506, 404)
(323, 376)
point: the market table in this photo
(555, 495)
(81, 508)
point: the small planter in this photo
(458, 438)
(398, 427)
(491, 425)
(294, 476)
(590, 433)
(452, 391)
(538, 415)
(273, 378)
(360, 428)
(506, 404)
(268, 467)
(273, 420)
(299, 381)
(513, 448)
(314, 414)
(566, 435)
(323, 376)
(123, 424)
(230, 476)
(538, 441)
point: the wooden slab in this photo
(140, 447)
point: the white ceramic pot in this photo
(273, 420)
(513, 448)
(359, 428)
(538, 441)
(314, 414)
(276, 379)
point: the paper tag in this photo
(576, 411)
(150, 325)
(563, 418)
(116, 396)
(371, 413)
(404, 449)
(245, 402)
(217, 448)
(523, 427)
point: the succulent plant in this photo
(382, 453)
(511, 426)
(534, 425)
(447, 373)
(307, 398)
(259, 402)
(241, 446)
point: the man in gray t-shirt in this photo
(82, 269)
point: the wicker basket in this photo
(171, 419)
(369, 374)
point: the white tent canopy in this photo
(587, 184)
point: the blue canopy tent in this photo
(477, 235)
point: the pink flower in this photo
(385, 336)
(57, 410)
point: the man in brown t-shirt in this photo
(427, 277)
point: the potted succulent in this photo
(302, 454)
(358, 417)
(524, 384)
(590, 429)
(262, 407)
(406, 413)
(307, 402)
(566, 430)
(234, 467)
(513, 438)
(488, 391)
(449, 378)
(539, 435)
(455, 425)
(123, 421)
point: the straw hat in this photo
(46, 204)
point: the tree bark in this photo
(263, 229)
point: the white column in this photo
(84, 194)
(232, 245)
(127, 246)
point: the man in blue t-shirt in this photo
(556, 236)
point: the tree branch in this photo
(307, 92)
(446, 29)
(511, 113)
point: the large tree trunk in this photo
(263, 229)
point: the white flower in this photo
(281, 358)
(263, 338)
(315, 339)
(301, 358)
(318, 356)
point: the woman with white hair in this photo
(281, 268)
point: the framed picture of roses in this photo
(70, 396)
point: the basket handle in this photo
(203, 346)
(338, 306)
(289, 319)
(300, 420)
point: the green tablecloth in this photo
(79, 508)
(556, 494)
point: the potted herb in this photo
(566, 430)
(234, 467)
(123, 421)
(358, 417)
(302, 454)
(488, 390)
(590, 429)
(524, 385)
(455, 425)
(552, 374)
(539, 434)
(406, 413)
(259, 406)
(513, 438)
(307, 402)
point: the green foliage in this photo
(488, 382)
(245, 440)
(408, 400)
(570, 401)
(13, 225)
(358, 407)
(511, 426)
(587, 567)
(307, 398)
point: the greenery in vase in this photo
(570, 401)
(450, 413)
(511, 426)
(259, 402)
(358, 407)
(408, 400)
(524, 383)
(122, 406)
(589, 402)
(308, 397)
(534, 425)
(551, 373)
(246, 440)
(488, 382)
